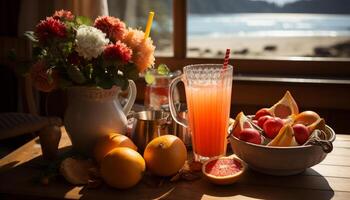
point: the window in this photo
(261, 28)
(135, 14)
(175, 43)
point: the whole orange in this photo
(122, 168)
(165, 155)
(109, 142)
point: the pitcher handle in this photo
(173, 111)
(131, 97)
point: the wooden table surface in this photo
(19, 172)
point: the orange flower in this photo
(143, 49)
(41, 79)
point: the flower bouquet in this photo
(94, 61)
(70, 50)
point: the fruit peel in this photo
(284, 138)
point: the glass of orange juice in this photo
(208, 94)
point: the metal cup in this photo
(148, 125)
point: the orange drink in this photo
(208, 95)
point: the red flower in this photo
(63, 15)
(49, 29)
(44, 79)
(113, 27)
(117, 52)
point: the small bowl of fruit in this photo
(279, 140)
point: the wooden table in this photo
(19, 172)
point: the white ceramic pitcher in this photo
(93, 112)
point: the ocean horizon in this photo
(268, 25)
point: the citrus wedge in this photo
(284, 138)
(318, 124)
(306, 117)
(241, 122)
(285, 107)
(76, 171)
(223, 170)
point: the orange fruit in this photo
(122, 168)
(165, 155)
(223, 170)
(285, 107)
(109, 142)
(241, 122)
(306, 118)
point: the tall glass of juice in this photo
(208, 94)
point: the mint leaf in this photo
(163, 69)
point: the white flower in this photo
(90, 42)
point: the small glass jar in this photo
(156, 93)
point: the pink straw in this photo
(227, 58)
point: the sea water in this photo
(268, 24)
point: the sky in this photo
(278, 2)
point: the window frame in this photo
(304, 67)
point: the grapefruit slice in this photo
(223, 170)
(241, 122)
(284, 138)
(285, 107)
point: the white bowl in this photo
(280, 161)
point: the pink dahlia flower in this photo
(40, 76)
(63, 15)
(118, 52)
(49, 29)
(113, 27)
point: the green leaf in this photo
(49, 76)
(37, 52)
(163, 69)
(75, 74)
(104, 82)
(122, 82)
(130, 71)
(30, 35)
(83, 20)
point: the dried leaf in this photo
(189, 176)
(195, 166)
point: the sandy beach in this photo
(200, 46)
